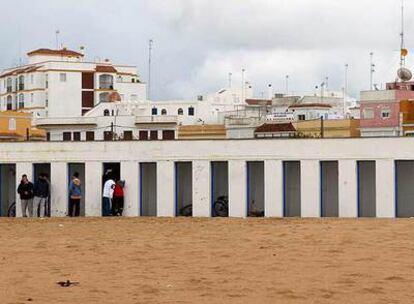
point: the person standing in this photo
(25, 190)
(118, 199)
(41, 194)
(75, 195)
(108, 191)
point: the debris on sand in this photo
(66, 283)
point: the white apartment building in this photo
(59, 84)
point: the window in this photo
(67, 136)
(21, 83)
(180, 111)
(301, 117)
(104, 97)
(163, 112)
(87, 81)
(9, 103)
(385, 113)
(12, 124)
(46, 81)
(154, 135)
(32, 79)
(368, 113)
(9, 85)
(134, 97)
(106, 112)
(90, 136)
(106, 82)
(46, 100)
(168, 134)
(21, 101)
(154, 111)
(143, 135)
(76, 136)
(48, 136)
(108, 136)
(128, 135)
(190, 111)
(62, 77)
(31, 98)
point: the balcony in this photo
(156, 119)
(65, 121)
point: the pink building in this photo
(381, 110)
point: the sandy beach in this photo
(206, 261)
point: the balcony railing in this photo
(65, 121)
(161, 119)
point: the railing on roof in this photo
(156, 119)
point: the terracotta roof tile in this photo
(276, 127)
(49, 52)
(257, 102)
(311, 105)
(105, 69)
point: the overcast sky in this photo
(198, 42)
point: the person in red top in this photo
(118, 199)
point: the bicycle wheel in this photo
(186, 211)
(11, 212)
(221, 209)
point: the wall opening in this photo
(148, 189)
(255, 189)
(220, 189)
(8, 190)
(291, 189)
(366, 189)
(110, 171)
(329, 189)
(183, 189)
(80, 169)
(42, 169)
(404, 171)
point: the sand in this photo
(207, 261)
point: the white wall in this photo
(237, 153)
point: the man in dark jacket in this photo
(25, 191)
(41, 194)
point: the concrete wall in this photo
(301, 186)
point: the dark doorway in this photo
(291, 189)
(220, 189)
(366, 189)
(329, 189)
(8, 190)
(255, 189)
(183, 188)
(148, 189)
(404, 171)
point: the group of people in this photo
(113, 196)
(34, 198)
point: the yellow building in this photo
(335, 128)
(16, 126)
(202, 132)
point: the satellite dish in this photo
(404, 74)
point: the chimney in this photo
(270, 92)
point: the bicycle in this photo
(221, 206)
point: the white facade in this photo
(389, 183)
(54, 84)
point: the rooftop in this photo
(49, 52)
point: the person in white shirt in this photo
(108, 192)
